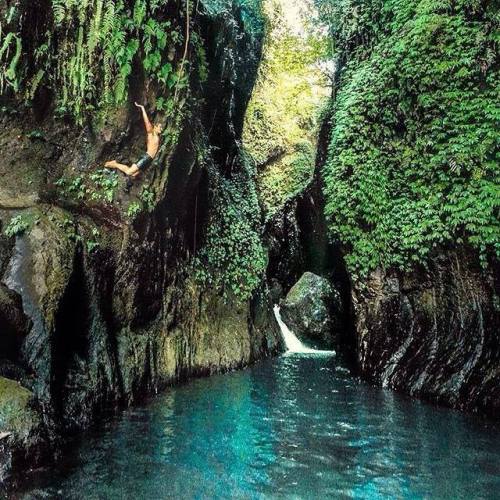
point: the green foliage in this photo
(146, 203)
(100, 186)
(355, 25)
(287, 177)
(413, 157)
(19, 225)
(232, 259)
(134, 209)
(97, 63)
(86, 56)
(282, 115)
(10, 53)
(147, 197)
(93, 244)
(104, 185)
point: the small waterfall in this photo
(293, 344)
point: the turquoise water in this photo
(294, 427)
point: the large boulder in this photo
(311, 310)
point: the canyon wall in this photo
(433, 333)
(100, 301)
(409, 176)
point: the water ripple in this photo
(295, 427)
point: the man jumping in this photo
(153, 145)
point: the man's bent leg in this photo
(132, 171)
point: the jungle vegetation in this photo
(413, 159)
(282, 119)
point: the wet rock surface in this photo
(14, 324)
(433, 333)
(311, 310)
(21, 430)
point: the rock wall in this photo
(104, 327)
(433, 333)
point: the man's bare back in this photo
(152, 147)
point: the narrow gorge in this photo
(327, 176)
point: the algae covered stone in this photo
(310, 310)
(21, 429)
(17, 417)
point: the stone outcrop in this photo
(312, 310)
(433, 333)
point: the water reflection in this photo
(293, 427)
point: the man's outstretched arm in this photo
(147, 123)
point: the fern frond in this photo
(94, 34)
(108, 21)
(34, 84)
(59, 11)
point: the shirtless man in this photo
(153, 145)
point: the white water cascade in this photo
(293, 344)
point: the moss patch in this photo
(16, 414)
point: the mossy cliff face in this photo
(410, 181)
(112, 304)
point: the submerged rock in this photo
(311, 310)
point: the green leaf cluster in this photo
(10, 53)
(100, 186)
(413, 160)
(19, 224)
(134, 209)
(89, 50)
(232, 259)
(147, 197)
